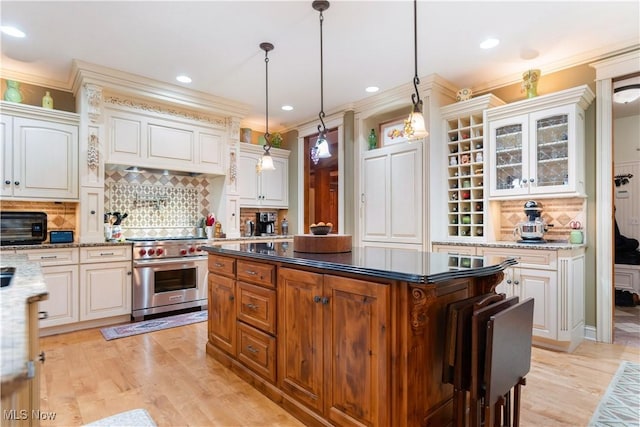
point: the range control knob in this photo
(183, 251)
(152, 251)
(198, 249)
(142, 252)
(192, 249)
(159, 251)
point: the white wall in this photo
(626, 131)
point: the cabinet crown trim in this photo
(580, 95)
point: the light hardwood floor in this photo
(168, 373)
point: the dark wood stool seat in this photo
(501, 358)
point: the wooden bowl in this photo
(320, 230)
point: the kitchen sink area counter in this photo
(26, 286)
(354, 338)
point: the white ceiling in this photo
(365, 43)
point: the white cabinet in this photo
(263, 188)
(60, 272)
(555, 279)
(162, 143)
(39, 153)
(105, 274)
(536, 146)
(391, 200)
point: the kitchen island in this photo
(352, 338)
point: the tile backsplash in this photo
(157, 204)
(556, 212)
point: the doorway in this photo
(626, 208)
(321, 189)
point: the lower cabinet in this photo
(333, 345)
(555, 280)
(60, 272)
(222, 312)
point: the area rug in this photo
(129, 329)
(135, 417)
(620, 405)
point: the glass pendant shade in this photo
(266, 163)
(323, 148)
(414, 125)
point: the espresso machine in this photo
(265, 223)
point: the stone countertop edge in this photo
(26, 286)
(550, 245)
(365, 271)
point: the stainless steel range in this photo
(168, 274)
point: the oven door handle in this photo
(154, 262)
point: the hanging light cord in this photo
(267, 136)
(415, 97)
(322, 129)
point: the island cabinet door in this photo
(300, 336)
(222, 313)
(357, 352)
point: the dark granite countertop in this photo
(388, 263)
(26, 286)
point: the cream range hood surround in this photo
(156, 171)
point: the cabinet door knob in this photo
(7, 182)
(42, 315)
(317, 299)
(531, 179)
(17, 182)
(231, 297)
(516, 282)
(325, 300)
(41, 357)
(129, 273)
(93, 212)
(508, 281)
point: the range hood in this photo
(141, 169)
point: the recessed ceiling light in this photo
(287, 107)
(489, 43)
(12, 31)
(183, 79)
(372, 89)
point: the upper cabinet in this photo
(536, 146)
(39, 153)
(164, 143)
(263, 188)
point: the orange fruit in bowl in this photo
(321, 223)
(312, 225)
(329, 224)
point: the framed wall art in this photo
(392, 132)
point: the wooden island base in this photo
(336, 348)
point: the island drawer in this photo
(257, 351)
(259, 274)
(527, 258)
(257, 306)
(221, 265)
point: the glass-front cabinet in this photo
(536, 146)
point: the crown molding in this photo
(146, 88)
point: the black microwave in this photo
(23, 228)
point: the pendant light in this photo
(414, 127)
(266, 163)
(321, 148)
